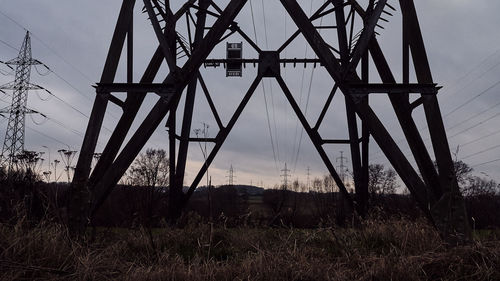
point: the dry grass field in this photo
(396, 249)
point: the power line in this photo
(307, 100)
(300, 102)
(70, 106)
(14, 21)
(61, 58)
(484, 163)
(75, 89)
(274, 119)
(265, 23)
(273, 108)
(457, 108)
(47, 46)
(458, 80)
(9, 45)
(305, 114)
(74, 131)
(471, 99)
(286, 120)
(71, 85)
(466, 130)
(264, 91)
(474, 116)
(482, 151)
(480, 138)
(462, 79)
(474, 126)
(45, 135)
(253, 22)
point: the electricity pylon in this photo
(230, 176)
(286, 176)
(354, 60)
(342, 168)
(13, 144)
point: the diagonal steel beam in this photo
(316, 140)
(131, 150)
(222, 135)
(403, 112)
(367, 34)
(189, 106)
(131, 107)
(132, 104)
(326, 107)
(168, 53)
(351, 114)
(100, 104)
(431, 106)
(175, 82)
(401, 106)
(77, 191)
(294, 35)
(379, 132)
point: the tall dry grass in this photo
(377, 250)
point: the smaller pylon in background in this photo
(230, 176)
(286, 175)
(342, 168)
(308, 178)
(13, 145)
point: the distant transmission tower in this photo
(230, 176)
(342, 167)
(308, 178)
(13, 144)
(285, 175)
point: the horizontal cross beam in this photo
(386, 88)
(159, 88)
(213, 62)
(332, 141)
(214, 140)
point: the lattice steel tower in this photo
(230, 176)
(13, 144)
(350, 55)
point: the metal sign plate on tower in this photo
(234, 54)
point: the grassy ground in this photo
(390, 250)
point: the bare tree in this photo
(463, 172)
(472, 185)
(481, 186)
(381, 180)
(150, 169)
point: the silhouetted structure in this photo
(13, 144)
(435, 190)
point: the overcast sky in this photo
(72, 38)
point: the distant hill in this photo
(241, 189)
